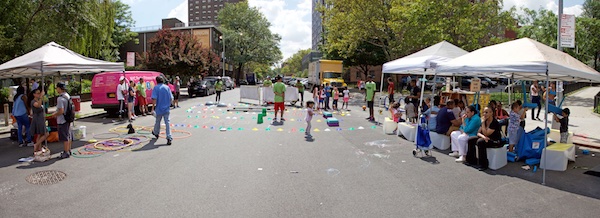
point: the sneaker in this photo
(308, 136)
(30, 144)
(282, 119)
(460, 159)
(169, 141)
(155, 135)
(454, 154)
(64, 155)
(21, 145)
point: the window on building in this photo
(198, 7)
(216, 11)
(204, 12)
(203, 17)
(209, 17)
(203, 6)
(208, 6)
(208, 1)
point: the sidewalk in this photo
(582, 121)
(86, 111)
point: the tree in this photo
(247, 36)
(401, 27)
(293, 64)
(179, 53)
(365, 56)
(92, 28)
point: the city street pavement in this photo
(263, 170)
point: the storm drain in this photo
(47, 177)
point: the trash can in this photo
(76, 102)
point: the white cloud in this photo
(545, 4)
(294, 25)
(180, 12)
(130, 2)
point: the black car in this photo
(203, 88)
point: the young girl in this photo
(411, 116)
(346, 97)
(336, 97)
(514, 121)
(131, 100)
(322, 98)
(316, 95)
(309, 115)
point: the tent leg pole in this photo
(419, 105)
(545, 133)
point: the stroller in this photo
(423, 141)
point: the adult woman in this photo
(131, 100)
(21, 114)
(38, 121)
(534, 91)
(550, 93)
(488, 136)
(469, 128)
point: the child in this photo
(346, 97)
(322, 99)
(564, 124)
(336, 97)
(411, 116)
(309, 115)
(514, 121)
(316, 95)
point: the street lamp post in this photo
(223, 54)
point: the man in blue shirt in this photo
(445, 119)
(162, 99)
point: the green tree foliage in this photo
(179, 53)
(542, 26)
(401, 27)
(93, 28)
(293, 64)
(247, 36)
(365, 56)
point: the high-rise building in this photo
(204, 12)
(317, 24)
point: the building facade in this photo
(317, 24)
(205, 12)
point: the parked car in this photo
(205, 87)
(491, 83)
(213, 79)
(229, 83)
(439, 82)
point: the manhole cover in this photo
(47, 177)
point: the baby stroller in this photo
(423, 141)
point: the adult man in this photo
(34, 84)
(534, 91)
(369, 97)
(390, 90)
(327, 95)
(279, 90)
(415, 92)
(446, 123)
(218, 89)
(161, 99)
(141, 96)
(121, 93)
(300, 88)
(64, 127)
(267, 82)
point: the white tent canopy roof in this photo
(525, 59)
(53, 58)
(427, 58)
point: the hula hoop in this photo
(115, 144)
(163, 134)
(151, 128)
(124, 129)
(108, 135)
(143, 131)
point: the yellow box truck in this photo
(325, 71)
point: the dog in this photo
(131, 130)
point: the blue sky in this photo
(291, 18)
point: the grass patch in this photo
(503, 97)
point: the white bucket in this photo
(79, 133)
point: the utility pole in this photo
(559, 95)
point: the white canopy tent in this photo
(524, 59)
(422, 63)
(52, 59)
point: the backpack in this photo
(69, 112)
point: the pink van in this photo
(104, 87)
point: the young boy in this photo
(409, 107)
(514, 122)
(564, 124)
(308, 118)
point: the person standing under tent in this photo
(279, 91)
(550, 93)
(64, 127)
(162, 99)
(370, 87)
(38, 120)
(534, 91)
(390, 90)
(21, 113)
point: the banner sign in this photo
(567, 31)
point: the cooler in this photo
(76, 103)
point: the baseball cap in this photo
(277, 77)
(122, 78)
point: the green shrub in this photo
(86, 86)
(4, 94)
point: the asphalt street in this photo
(265, 170)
